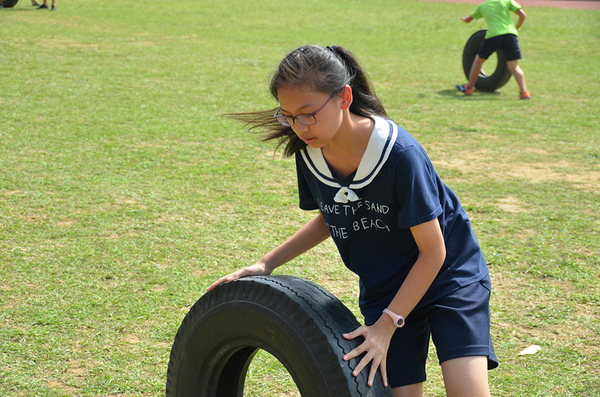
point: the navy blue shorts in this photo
(458, 323)
(508, 43)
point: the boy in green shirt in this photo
(502, 33)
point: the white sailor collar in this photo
(378, 150)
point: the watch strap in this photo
(396, 318)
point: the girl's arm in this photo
(310, 235)
(467, 19)
(522, 17)
(432, 252)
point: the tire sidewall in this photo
(498, 78)
(279, 338)
(296, 321)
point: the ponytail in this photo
(365, 103)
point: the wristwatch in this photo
(396, 318)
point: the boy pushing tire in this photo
(501, 34)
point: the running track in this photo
(584, 5)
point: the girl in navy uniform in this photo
(395, 224)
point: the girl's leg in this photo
(516, 70)
(415, 390)
(475, 70)
(466, 376)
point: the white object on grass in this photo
(530, 350)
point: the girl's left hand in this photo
(376, 344)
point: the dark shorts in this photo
(508, 43)
(458, 323)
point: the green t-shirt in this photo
(497, 16)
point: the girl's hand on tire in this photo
(258, 269)
(376, 344)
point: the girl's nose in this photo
(299, 128)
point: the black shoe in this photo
(53, 8)
(43, 7)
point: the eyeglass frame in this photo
(294, 118)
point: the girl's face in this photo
(329, 118)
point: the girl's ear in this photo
(346, 97)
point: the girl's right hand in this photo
(258, 269)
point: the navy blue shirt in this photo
(369, 215)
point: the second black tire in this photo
(485, 82)
(298, 322)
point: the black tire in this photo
(485, 82)
(295, 320)
(10, 3)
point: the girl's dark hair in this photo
(318, 69)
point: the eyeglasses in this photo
(306, 119)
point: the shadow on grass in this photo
(34, 8)
(25, 7)
(478, 95)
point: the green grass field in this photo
(124, 193)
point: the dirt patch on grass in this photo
(487, 165)
(510, 204)
(67, 390)
(133, 339)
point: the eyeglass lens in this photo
(288, 121)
